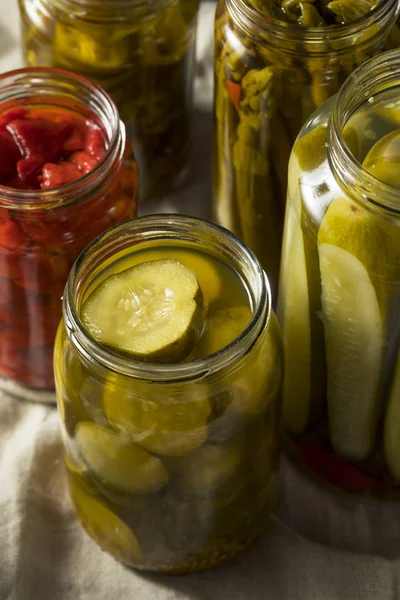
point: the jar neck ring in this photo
(56, 87)
(159, 229)
(319, 41)
(376, 75)
(114, 11)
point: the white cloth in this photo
(321, 546)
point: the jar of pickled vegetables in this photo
(275, 62)
(66, 175)
(142, 53)
(339, 299)
(168, 367)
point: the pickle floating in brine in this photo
(153, 311)
(165, 421)
(117, 462)
(383, 160)
(222, 328)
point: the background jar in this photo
(142, 53)
(214, 498)
(339, 299)
(269, 78)
(43, 232)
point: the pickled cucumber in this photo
(383, 160)
(354, 339)
(166, 422)
(392, 425)
(222, 327)
(119, 463)
(153, 312)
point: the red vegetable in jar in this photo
(67, 173)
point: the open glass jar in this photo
(269, 78)
(339, 299)
(142, 53)
(42, 231)
(173, 467)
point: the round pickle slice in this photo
(154, 311)
(383, 160)
(119, 463)
(108, 530)
(167, 422)
(222, 328)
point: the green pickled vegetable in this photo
(152, 311)
(392, 425)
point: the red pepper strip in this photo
(334, 469)
(9, 115)
(9, 155)
(12, 237)
(94, 143)
(83, 161)
(234, 91)
(76, 141)
(56, 175)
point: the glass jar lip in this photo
(386, 67)
(195, 369)
(114, 10)
(287, 32)
(34, 200)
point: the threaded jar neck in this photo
(379, 74)
(112, 11)
(156, 230)
(315, 41)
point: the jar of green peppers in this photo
(339, 297)
(276, 61)
(140, 52)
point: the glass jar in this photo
(212, 424)
(339, 299)
(142, 53)
(269, 77)
(43, 231)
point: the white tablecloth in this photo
(321, 546)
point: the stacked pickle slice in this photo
(186, 472)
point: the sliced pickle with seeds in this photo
(153, 312)
(392, 426)
(119, 463)
(354, 339)
(167, 422)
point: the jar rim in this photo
(113, 10)
(37, 82)
(282, 32)
(371, 77)
(161, 226)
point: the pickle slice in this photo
(392, 426)
(383, 160)
(153, 311)
(109, 531)
(354, 339)
(168, 422)
(222, 327)
(119, 463)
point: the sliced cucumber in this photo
(383, 160)
(222, 327)
(294, 316)
(152, 311)
(166, 422)
(108, 530)
(354, 339)
(118, 463)
(392, 426)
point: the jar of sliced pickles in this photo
(339, 299)
(66, 175)
(275, 62)
(168, 368)
(142, 53)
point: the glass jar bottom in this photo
(22, 392)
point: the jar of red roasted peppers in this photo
(67, 173)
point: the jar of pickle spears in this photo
(142, 53)
(168, 367)
(66, 175)
(339, 299)
(276, 61)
